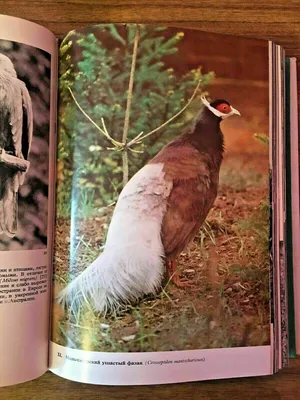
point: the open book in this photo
(149, 205)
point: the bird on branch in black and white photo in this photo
(16, 130)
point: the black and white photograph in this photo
(24, 146)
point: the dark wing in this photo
(21, 119)
(7, 95)
(27, 126)
(23, 126)
(194, 191)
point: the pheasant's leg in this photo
(173, 275)
(171, 269)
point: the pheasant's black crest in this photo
(217, 102)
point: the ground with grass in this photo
(227, 264)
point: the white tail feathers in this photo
(132, 263)
(116, 277)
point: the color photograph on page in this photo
(161, 244)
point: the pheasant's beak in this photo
(234, 111)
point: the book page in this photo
(162, 257)
(295, 206)
(292, 172)
(28, 77)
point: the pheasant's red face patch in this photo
(224, 108)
